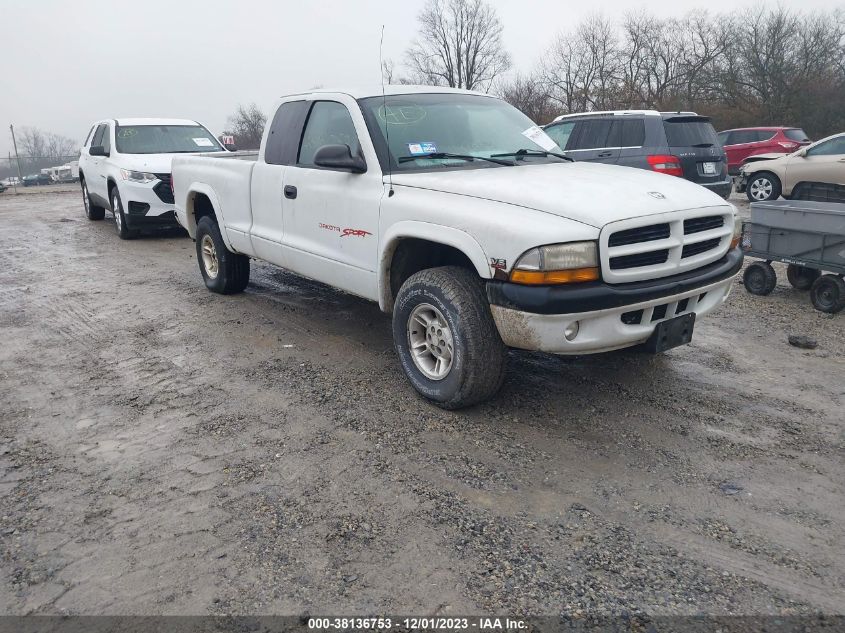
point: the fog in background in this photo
(65, 64)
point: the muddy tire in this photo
(759, 278)
(92, 211)
(828, 294)
(123, 231)
(224, 272)
(763, 186)
(801, 277)
(446, 339)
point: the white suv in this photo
(124, 166)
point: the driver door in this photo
(331, 216)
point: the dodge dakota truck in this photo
(467, 224)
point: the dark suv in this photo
(676, 143)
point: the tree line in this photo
(763, 65)
(38, 150)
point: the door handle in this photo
(605, 154)
(290, 192)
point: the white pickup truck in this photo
(460, 217)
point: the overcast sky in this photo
(66, 64)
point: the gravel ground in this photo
(165, 450)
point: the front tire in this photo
(224, 272)
(123, 231)
(92, 212)
(446, 339)
(763, 186)
(828, 294)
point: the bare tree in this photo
(32, 142)
(247, 126)
(60, 149)
(528, 94)
(460, 45)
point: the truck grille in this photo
(162, 189)
(654, 247)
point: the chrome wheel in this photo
(118, 216)
(430, 341)
(761, 189)
(209, 257)
(85, 198)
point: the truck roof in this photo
(389, 90)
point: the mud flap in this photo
(670, 333)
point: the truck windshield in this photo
(165, 139)
(423, 128)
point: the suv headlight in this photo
(557, 264)
(137, 176)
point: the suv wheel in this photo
(763, 186)
(123, 231)
(92, 212)
(446, 339)
(224, 272)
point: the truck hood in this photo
(590, 193)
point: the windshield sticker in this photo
(127, 132)
(539, 137)
(203, 142)
(401, 114)
(420, 149)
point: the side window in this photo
(328, 124)
(723, 137)
(285, 131)
(633, 133)
(90, 134)
(98, 135)
(593, 134)
(743, 136)
(833, 147)
(107, 138)
(561, 133)
(765, 135)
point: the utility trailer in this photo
(807, 236)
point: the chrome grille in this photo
(662, 245)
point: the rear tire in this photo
(224, 272)
(801, 277)
(443, 314)
(760, 278)
(92, 212)
(763, 186)
(828, 294)
(123, 231)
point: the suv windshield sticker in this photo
(203, 142)
(539, 137)
(418, 149)
(401, 114)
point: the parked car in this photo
(460, 217)
(742, 144)
(124, 166)
(675, 143)
(815, 172)
(32, 180)
(2, 187)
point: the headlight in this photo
(557, 264)
(137, 176)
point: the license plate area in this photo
(671, 333)
(709, 169)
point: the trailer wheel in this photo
(760, 278)
(801, 277)
(828, 294)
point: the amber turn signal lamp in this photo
(540, 278)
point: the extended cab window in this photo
(328, 124)
(283, 139)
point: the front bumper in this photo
(741, 182)
(143, 206)
(609, 316)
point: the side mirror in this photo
(339, 157)
(97, 150)
(231, 147)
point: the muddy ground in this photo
(166, 450)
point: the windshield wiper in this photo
(466, 157)
(535, 152)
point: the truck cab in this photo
(467, 224)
